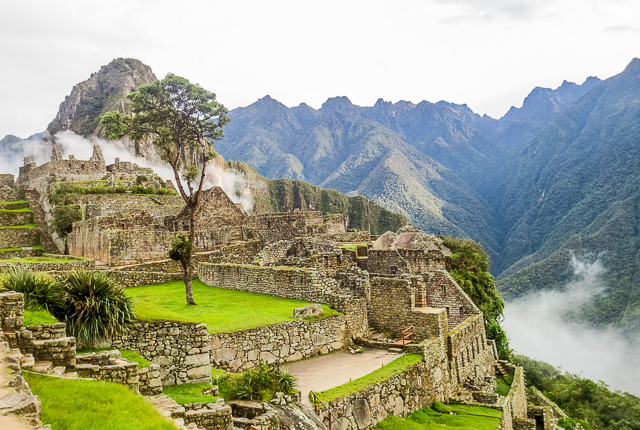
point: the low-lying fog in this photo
(536, 329)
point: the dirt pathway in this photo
(10, 400)
(333, 370)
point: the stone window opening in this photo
(444, 289)
(461, 310)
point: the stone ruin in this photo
(393, 293)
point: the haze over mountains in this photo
(557, 177)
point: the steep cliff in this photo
(104, 91)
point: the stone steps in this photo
(43, 367)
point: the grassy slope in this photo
(39, 260)
(465, 418)
(20, 226)
(38, 317)
(69, 404)
(396, 366)
(223, 311)
(188, 393)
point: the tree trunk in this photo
(186, 265)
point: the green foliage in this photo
(189, 393)
(398, 365)
(258, 383)
(38, 317)
(592, 404)
(503, 386)
(135, 357)
(224, 311)
(63, 218)
(60, 194)
(567, 423)
(469, 265)
(41, 291)
(79, 404)
(93, 307)
(181, 248)
(439, 416)
(20, 226)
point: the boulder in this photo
(307, 311)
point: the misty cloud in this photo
(487, 10)
(622, 29)
(536, 328)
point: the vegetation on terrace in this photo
(385, 372)
(30, 225)
(43, 259)
(189, 393)
(469, 265)
(38, 317)
(591, 403)
(37, 247)
(258, 383)
(75, 404)
(17, 202)
(438, 416)
(223, 311)
(504, 385)
(58, 196)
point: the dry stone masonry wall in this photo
(180, 349)
(278, 343)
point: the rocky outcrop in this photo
(104, 91)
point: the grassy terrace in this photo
(385, 372)
(40, 247)
(504, 385)
(15, 210)
(224, 311)
(32, 317)
(40, 260)
(353, 246)
(74, 404)
(438, 416)
(20, 226)
(17, 202)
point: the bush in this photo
(180, 248)
(41, 291)
(258, 383)
(93, 308)
(64, 217)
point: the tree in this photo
(469, 266)
(183, 120)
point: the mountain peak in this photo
(633, 66)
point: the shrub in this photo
(64, 217)
(180, 248)
(258, 383)
(41, 291)
(93, 307)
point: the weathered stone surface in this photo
(307, 311)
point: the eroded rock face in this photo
(104, 91)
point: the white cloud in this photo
(536, 328)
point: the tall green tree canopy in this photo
(182, 120)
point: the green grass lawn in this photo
(385, 372)
(20, 226)
(465, 417)
(15, 210)
(224, 311)
(74, 404)
(38, 260)
(40, 247)
(38, 318)
(352, 246)
(135, 357)
(504, 385)
(17, 202)
(188, 393)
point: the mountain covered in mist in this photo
(553, 178)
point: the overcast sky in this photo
(488, 54)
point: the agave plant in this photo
(40, 290)
(285, 381)
(93, 307)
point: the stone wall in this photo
(39, 218)
(11, 194)
(407, 261)
(127, 279)
(6, 180)
(18, 237)
(392, 307)
(348, 236)
(70, 170)
(289, 225)
(48, 331)
(289, 282)
(278, 343)
(110, 366)
(181, 349)
(15, 218)
(68, 266)
(442, 291)
(400, 395)
(472, 358)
